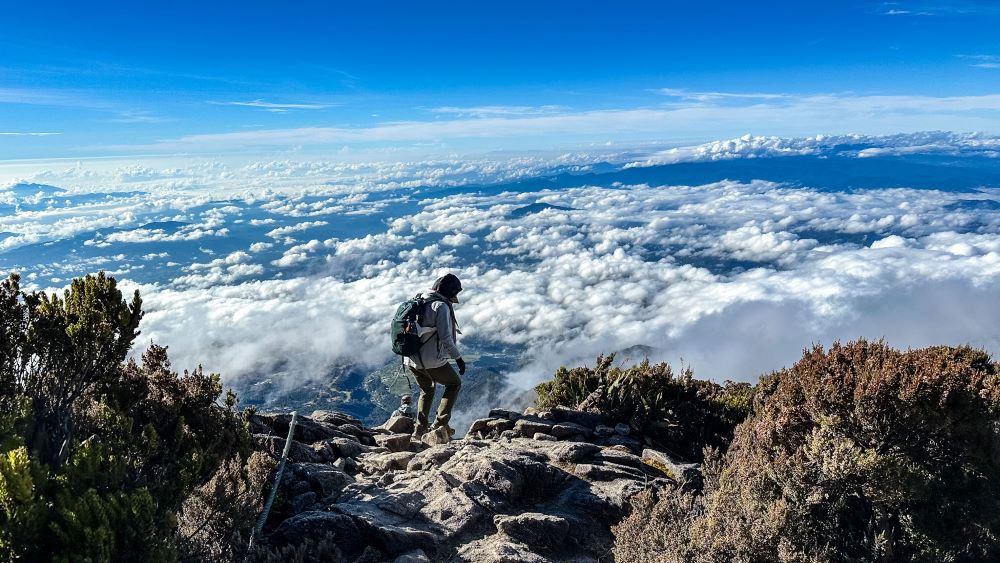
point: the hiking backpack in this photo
(403, 331)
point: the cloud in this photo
(275, 106)
(27, 134)
(281, 232)
(735, 277)
(490, 111)
(863, 146)
(693, 114)
(983, 61)
(138, 116)
(579, 282)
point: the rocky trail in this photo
(531, 487)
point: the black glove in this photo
(461, 366)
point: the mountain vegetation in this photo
(99, 452)
(856, 453)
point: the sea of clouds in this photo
(298, 266)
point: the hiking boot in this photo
(419, 430)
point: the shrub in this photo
(216, 520)
(677, 413)
(858, 453)
(97, 454)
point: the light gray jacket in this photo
(439, 334)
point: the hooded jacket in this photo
(439, 331)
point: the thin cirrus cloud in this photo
(982, 61)
(274, 107)
(684, 114)
(28, 133)
(936, 8)
(492, 111)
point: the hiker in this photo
(430, 365)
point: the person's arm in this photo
(445, 331)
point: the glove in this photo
(461, 366)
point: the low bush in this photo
(677, 413)
(856, 453)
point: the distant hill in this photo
(24, 189)
(536, 208)
(164, 225)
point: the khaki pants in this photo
(426, 378)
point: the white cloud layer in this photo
(733, 277)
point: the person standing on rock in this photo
(431, 365)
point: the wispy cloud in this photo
(493, 111)
(689, 95)
(937, 8)
(27, 134)
(45, 97)
(139, 116)
(982, 61)
(274, 107)
(688, 115)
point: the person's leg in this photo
(426, 385)
(445, 375)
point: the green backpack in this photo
(403, 331)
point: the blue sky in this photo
(363, 79)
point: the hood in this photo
(448, 286)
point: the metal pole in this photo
(277, 479)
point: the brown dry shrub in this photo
(215, 522)
(319, 550)
(858, 453)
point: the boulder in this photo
(533, 528)
(347, 447)
(415, 556)
(501, 413)
(602, 431)
(478, 425)
(307, 430)
(583, 418)
(436, 437)
(432, 457)
(623, 429)
(572, 452)
(335, 417)
(673, 468)
(565, 430)
(380, 463)
(399, 425)
(296, 452)
(530, 426)
(324, 478)
(499, 550)
(318, 524)
(545, 437)
(393, 442)
(627, 441)
(302, 502)
(499, 425)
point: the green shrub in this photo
(98, 453)
(858, 453)
(677, 413)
